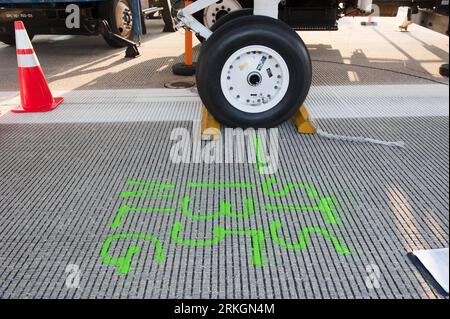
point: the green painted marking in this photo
(286, 189)
(257, 240)
(123, 210)
(124, 263)
(325, 206)
(133, 182)
(157, 190)
(219, 235)
(221, 185)
(146, 193)
(304, 238)
(225, 208)
(259, 155)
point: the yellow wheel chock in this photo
(210, 127)
(302, 121)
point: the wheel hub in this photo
(216, 11)
(255, 79)
(124, 18)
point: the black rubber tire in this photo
(107, 9)
(242, 32)
(443, 70)
(10, 39)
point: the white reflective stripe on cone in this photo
(27, 60)
(22, 40)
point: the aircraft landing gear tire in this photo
(254, 72)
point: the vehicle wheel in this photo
(231, 16)
(119, 14)
(10, 39)
(216, 12)
(254, 72)
(443, 70)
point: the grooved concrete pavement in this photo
(89, 191)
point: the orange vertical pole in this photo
(188, 41)
(187, 68)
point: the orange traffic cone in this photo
(35, 95)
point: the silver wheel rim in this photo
(255, 79)
(216, 11)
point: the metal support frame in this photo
(137, 17)
(105, 30)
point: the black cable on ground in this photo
(382, 69)
(360, 139)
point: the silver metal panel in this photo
(436, 262)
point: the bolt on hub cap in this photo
(254, 79)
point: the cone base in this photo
(56, 102)
(184, 69)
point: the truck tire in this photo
(10, 39)
(119, 14)
(254, 72)
(443, 70)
